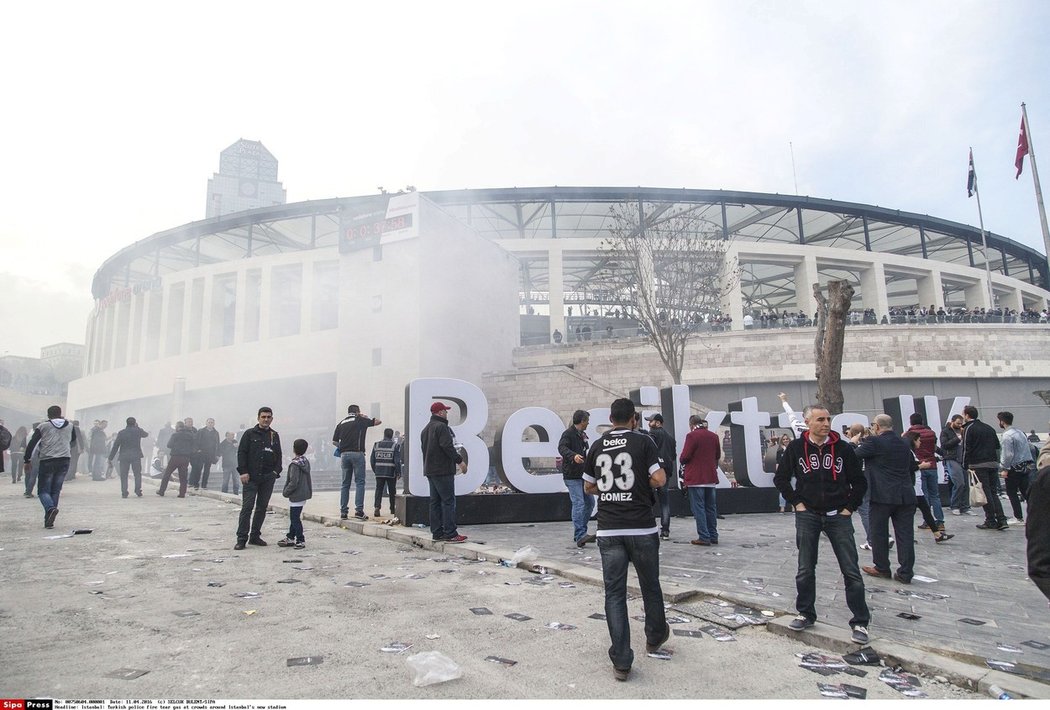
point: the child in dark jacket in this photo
(297, 489)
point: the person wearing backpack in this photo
(298, 489)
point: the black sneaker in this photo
(360, 515)
(860, 634)
(286, 542)
(257, 541)
(621, 673)
(800, 622)
(1002, 526)
(988, 526)
(344, 516)
(49, 519)
(585, 539)
(665, 536)
(300, 545)
(239, 545)
(653, 647)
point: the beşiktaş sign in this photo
(125, 294)
(743, 418)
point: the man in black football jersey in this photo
(623, 467)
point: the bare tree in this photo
(832, 314)
(666, 267)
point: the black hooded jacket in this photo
(827, 477)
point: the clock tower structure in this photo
(247, 178)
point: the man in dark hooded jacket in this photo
(828, 487)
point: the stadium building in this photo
(310, 306)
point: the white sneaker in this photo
(1014, 521)
(865, 546)
(956, 511)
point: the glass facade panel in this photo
(325, 296)
(223, 310)
(153, 318)
(120, 351)
(286, 300)
(196, 315)
(176, 304)
(252, 304)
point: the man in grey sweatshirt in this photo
(55, 437)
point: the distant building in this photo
(247, 179)
(29, 385)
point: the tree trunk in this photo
(831, 334)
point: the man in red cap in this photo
(440, 459)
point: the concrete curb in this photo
(957, 669)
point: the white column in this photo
(976, 295)
(239, 305)
(556, 291)
(306, 302)
(206, 311)
(805, 276)
(733, 300)
(265, 280)
(1012, 299)
(930, 290)
(873, 290)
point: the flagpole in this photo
(1035, 179)
(984, 239)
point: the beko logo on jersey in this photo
(613, 443)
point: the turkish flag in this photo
(1022, 149)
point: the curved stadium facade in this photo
(344, 300)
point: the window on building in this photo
(223, 310)
(325, 305)
(286, 300)
(176, 303)
(252, 304)
(196, 315)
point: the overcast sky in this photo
(114, 114)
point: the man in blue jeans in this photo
(440, 460)
(349, 436)
(572, 447)
(623, 467)
(828, 487)
(54, 437)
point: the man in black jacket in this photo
(829, 487)
(668, 454)
(127, 448)
(259, 463)
(981, 453)
(572, 447)
(440, 459)
(951, 446)
(1037, 530)
(890, 469)
(206, 456)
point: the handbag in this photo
(977, 496)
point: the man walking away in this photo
(951, 446)
(207, 454)
(700, 454)
(54, 437)
(440, 459)
(259, 463)
(828, 487)
(386, 465)
(1016, 464)
(97, 451)
(182, 445)
(349, 436)
(572, 447)
(623, 467)
(927, 455)
(667, 447)
(127, 449)
(890, 468)
(981, 453)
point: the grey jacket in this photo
(54, 437)
(298, 487)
